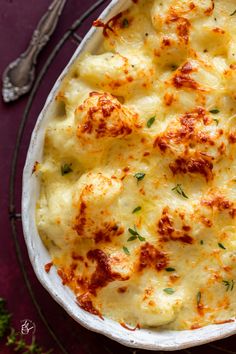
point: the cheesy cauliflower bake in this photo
(138, 179)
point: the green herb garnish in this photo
(4, 318)
(179, 190)
(229, 284)
(214, 111)
(201, 242)
(174, 67)
(169, 291)
(132, 238)
(140, 176)
(151, 121)
(15, 339)
(233, 13)
(66, 168)
(125, 23)
(135, 235)
(199, 296)
(169, 269)
(136, 209)
(216, 121)
(125, 249)
(221, 246)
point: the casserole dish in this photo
(152, 339)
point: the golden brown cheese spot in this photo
(36, 167)
(152, 258)
(183, 28)
(129, 328)
(166, 230)
(103, 274)
(48, 266)
(181, 80)
(169, 98)
(220, 203)
(174, 278)
(198, 163)
(182, 25)
(148, 292)
(85, 302)
(108, 232)
(218, 30)
(76, 256)
(115, 24)
(81, 219)
(62, 274)
(161, 142)
(205, 221)
(104, 116)
(109, 25)
(165, 42)
(210, 9)
(225, 321)
(187, 133)
(68, 275)
(232, 138)
(195, 326)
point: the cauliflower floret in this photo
(95, 196)
(102, 116)
(118, 74)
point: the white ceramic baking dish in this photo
(152, 339)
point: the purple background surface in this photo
(18, 19)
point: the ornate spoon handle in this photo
(19, 75)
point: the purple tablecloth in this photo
(17, 21)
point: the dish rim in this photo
(144, 338)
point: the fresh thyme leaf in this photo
(229, 284)
(125, 23)
(179, 190)
(169, 291)
(201, 242)
(15, 339)
(170, 269)
(217, 121)
(221, 246)
(135, 235)
(139, 176)
(11, 339)
(233, 13)
(4, 318)
(136, 209)
(141, 238)
(151, 121)
(133, 232)
(66, 168)
(125, 249)
(214, 111)
(20, 344)
(199, 296)
(132, 238)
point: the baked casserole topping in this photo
(138, 178)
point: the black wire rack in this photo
(15, 215)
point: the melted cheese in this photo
(138, 179)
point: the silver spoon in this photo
(19, 75)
